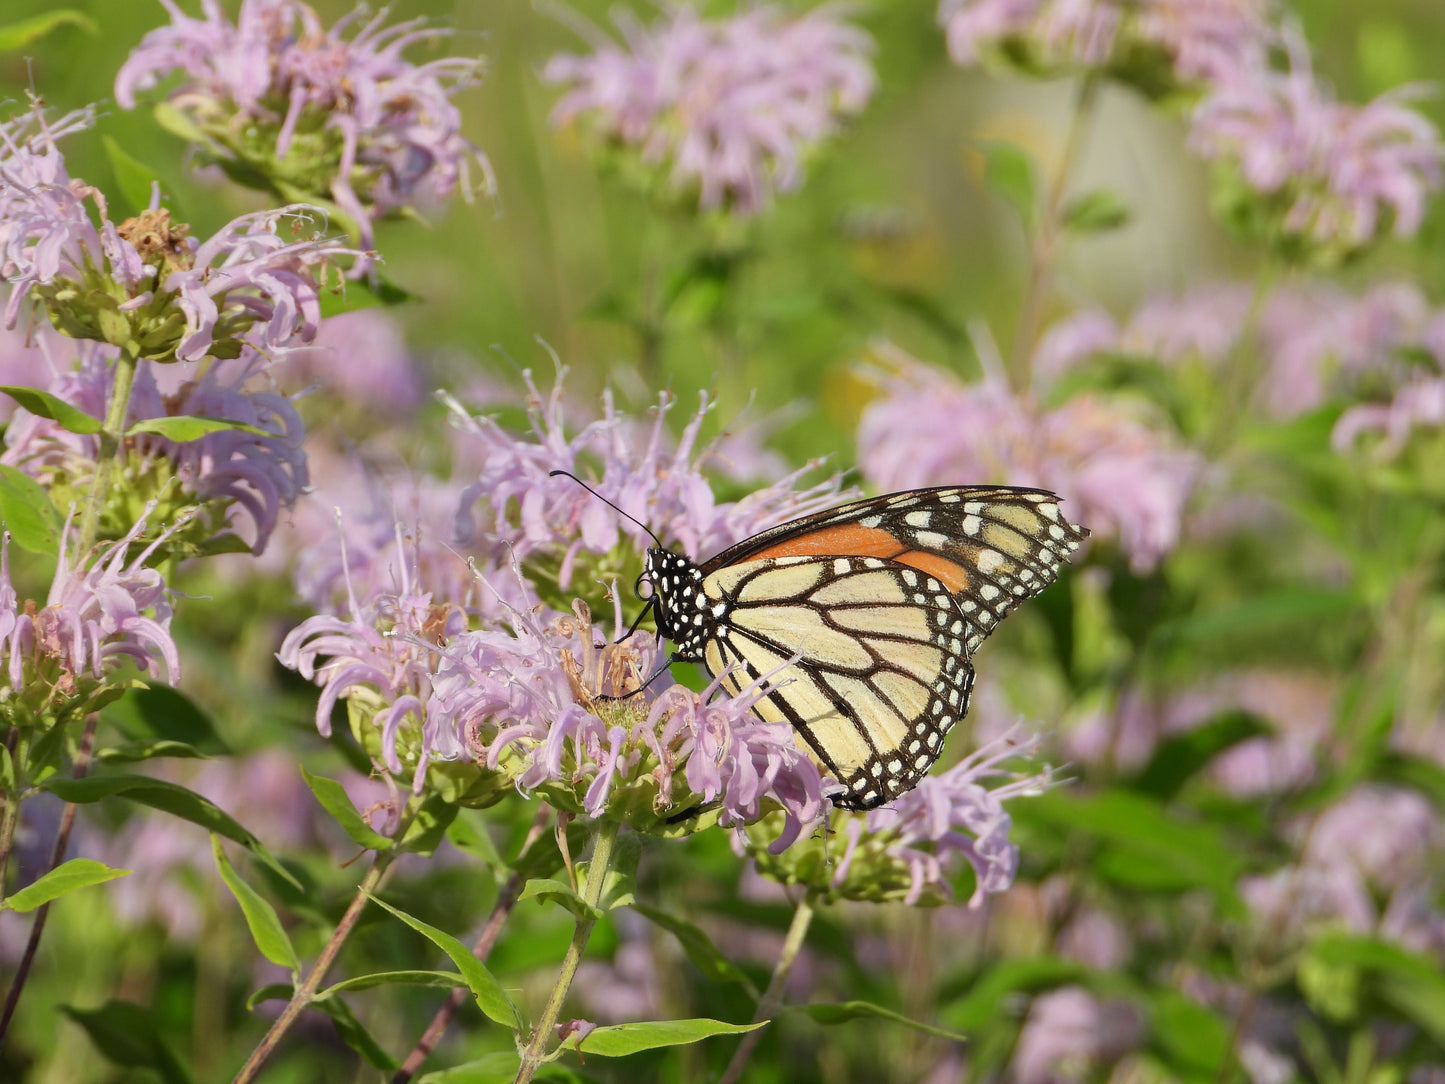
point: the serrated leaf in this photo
(446, 979)
(24, 32)
(134, 178)
(28, 513)
(163, 713)
(619, 1040)
(842, 1012)
(171, 798)
(65, 878)
(132, 752)
(354, 1035)
(560, 894)
(698, 947)
(183, 428)
(1179, 757)
(491, 998)
(1096, 212)
(45, 405)
(261, 918)
(127, 1036)
(333, 798)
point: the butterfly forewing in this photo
(867, 616)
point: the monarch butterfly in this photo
(879, 605)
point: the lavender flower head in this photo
(928, 429)
(1155, 45)
(240, 479)
(647, 474)
(145, 281)
(1312, 176)
(731, 107)
(904, 851)
(104, 608)
(327, 112)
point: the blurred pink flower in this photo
(1420, 404)
(341, 100)
(732, 105)
(361, 360)
(1204, 40)
(1071, 1035)
(1342, 175)
(927, 429)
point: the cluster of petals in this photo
(1315, 342)
(105, 607)
(525, 700)
(651, 477)
(1127, 480)
(1345, 174)
(731, 105)
(1369, 862)
(255, 474)
(399, 131)
(244, 281)
(951, 814)
(1204, 40)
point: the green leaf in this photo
(178, 123)
(1009, 172)
(275, 991)
(1409, 983)
(498, 1068)
(332, 796)
(132, 751)
(163, 713)
(128, 1036)
(988, 994)
(1096, 212)
(429, 826)
(491, 998)
(261, 918)
(56, 409)
(355, 1036)
(468, 834)
(1143, 846)
(184, 427)
(619, 1040)
(135, 179)
(844, 1011)
(1191, 1040)
(619, 886)
(445, 979)
(562, 895)
(28, 513)
(698, 947)
(64, 878)
(169, 797)
(1178, 758)
(18, 35)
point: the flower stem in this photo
(1046, 240)
(57, 856)
(18, 747)
(110, 446)
(302, 997)
(506, 900)
(535, 1054)
(772, 998)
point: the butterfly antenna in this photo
(604, 500)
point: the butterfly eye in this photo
(637, 587)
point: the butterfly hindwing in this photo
(867, 657)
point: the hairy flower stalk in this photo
(314, 113)
(727, 109)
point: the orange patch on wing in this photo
(949, 573)
(840, 540)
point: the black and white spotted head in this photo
(683, 617)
